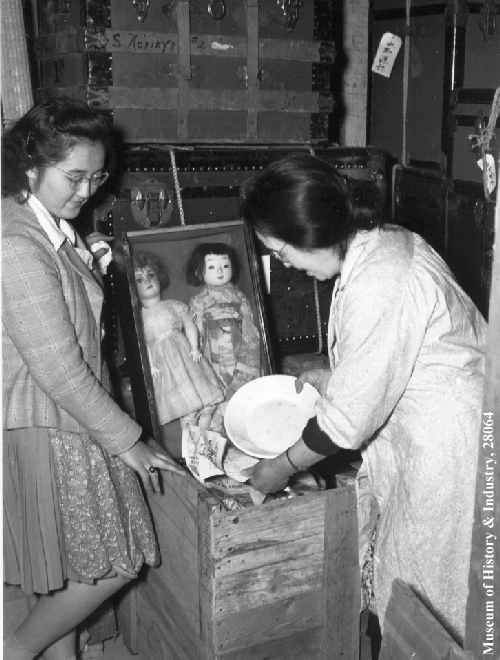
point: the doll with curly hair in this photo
(184, 381)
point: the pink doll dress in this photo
(181, 385)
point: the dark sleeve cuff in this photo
(317, 440)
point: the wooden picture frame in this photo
(174, 246)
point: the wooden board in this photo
(410, 630)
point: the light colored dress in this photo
(231, 341)
(407, 352)
(181, 385)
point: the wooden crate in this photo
(194, 71)
(275, 581)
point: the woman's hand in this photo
(97, 237)
(269, 475)
(318, 378)
(141, 458)
(195, 354)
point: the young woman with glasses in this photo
(76, 526)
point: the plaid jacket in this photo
(52, 369)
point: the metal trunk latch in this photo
(141, 7)
(152, 208)
(290, 9)
(488, 22)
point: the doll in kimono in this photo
(184, 382)
(229, 337)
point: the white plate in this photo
(266, 416)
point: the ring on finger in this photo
(152, 469)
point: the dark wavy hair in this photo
(303, 201)
(195, 267)
(44, 136)
(143, 260)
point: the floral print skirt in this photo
(71, 511)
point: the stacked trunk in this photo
(452, 75)
(194, 72)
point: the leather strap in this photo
(252, 67)
(184, 67)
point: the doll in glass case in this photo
(229, 337)
(185, 384)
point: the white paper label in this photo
(386, 54)
(491, 178)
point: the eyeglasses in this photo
(76, 181)
(277, 254)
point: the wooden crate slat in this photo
(156, 643)
(342, 582)
(177, 491)
(250, 528)
(411, 631)
(127, 616)
(301, 645)
(274, 553)
(263, 624)
(153, 649)
(268, 584)
(185, 603)
(178, 569)
(208, 634)
(165, 624)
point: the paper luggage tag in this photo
(386, 54)
(491, 178)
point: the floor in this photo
(116, 650)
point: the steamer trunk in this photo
(457, 221)
(420, 204)
(142, 195)
(471, 221)
(469, 114)
(193, 71)
(453, 45)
